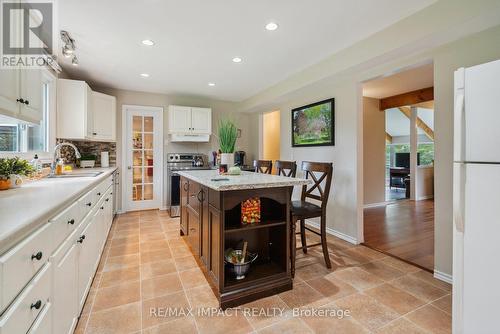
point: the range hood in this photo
(189, 138)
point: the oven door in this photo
(175, 194)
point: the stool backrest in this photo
(263, 166)
(286, 168)
(318, 172)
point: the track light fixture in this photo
(68, 48)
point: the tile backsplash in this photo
(88, 147)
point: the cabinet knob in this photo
(36, 305)
(71, 222)
(89, 204)
(80, 240)
(37, 256)
(107, 200)
(26, 102)
(102, 208)
(98, 194)
(94, 133)
(21, 100)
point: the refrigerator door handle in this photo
(458, 196)
(459, 144)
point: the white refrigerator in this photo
(476, 200)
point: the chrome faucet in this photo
(57, 155)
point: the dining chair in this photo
(285, 168)
(263, 166)
(321, 173)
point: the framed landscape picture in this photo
(313, 125)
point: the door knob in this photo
(129, 167)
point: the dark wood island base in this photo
(211, 223)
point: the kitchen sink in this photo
(75, 174)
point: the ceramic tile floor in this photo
(147, 265)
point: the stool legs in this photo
(293, 244)
(323, 242)
(303, 235)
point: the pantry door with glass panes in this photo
(144, 155)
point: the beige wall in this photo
(373, 152)
(271, 136)
(219, 109)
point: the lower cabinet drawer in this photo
(20, 264)
(66, 222)
(19, 317)
(43, 324)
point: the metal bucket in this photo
(239, 270)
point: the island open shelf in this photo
(211, 222)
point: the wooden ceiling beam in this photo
(388, 138)
(420, 123)
(407, 99)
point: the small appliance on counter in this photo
(239, 158)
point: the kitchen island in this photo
(211, 222)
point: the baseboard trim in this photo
(443, 276)
(333, 232)
(421, 198)
(375, 205)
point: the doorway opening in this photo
(271, 136)
(398, 168)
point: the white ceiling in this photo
(196, 40)
(401, 82)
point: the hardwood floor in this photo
(404, 229)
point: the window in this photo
(18, 136)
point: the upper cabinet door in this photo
(103, 110)
(201, 120)
(72, 116)
(31, 92)
(9, 92)
(179, 119)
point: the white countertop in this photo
(24, 209)
(247, 180)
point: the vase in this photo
(15, 181)
(4, 184)
(227, 159)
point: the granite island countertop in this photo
(247, 180)
(24, 209)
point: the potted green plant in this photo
(227, 141)
(11, 170)
(87, 160)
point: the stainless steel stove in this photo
(178, 162)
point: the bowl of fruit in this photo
(239, 261)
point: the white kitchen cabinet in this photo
(189, 120)
(21, 94)
(9, 92)
(179, 119)
(31, 92)
(64, 286)
(201, 120)
(87, 255)
(84, 114)
(103, 110)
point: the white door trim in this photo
(124, 174)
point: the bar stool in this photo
(263, 166)
(285, 168)
(302, 210)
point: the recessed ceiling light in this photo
(271, 26)
(237, 60)
(148, 42)
(211, 84)
(144, 75)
